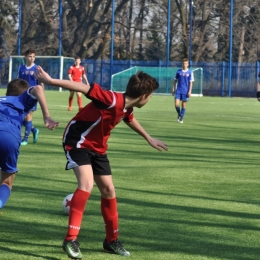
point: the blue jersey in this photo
(184, 78)
(12, 112)
(27, 73)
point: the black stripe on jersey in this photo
(99, 105)
(75, 132)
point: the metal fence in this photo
(215, 74)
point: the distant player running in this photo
(76, 73)
(19, 100)
(183, 79)
(26, 72)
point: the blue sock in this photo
(33, 130)
(178, 111)
(4, 194)
(183, 113)
(28, 127)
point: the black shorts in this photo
(79, 156)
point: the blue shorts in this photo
(9, 152)
(182, 97)
(34, 108)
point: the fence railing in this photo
(215, 74)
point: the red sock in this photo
(110, 216)
(70, 101)
(77, 208)
(80, 101)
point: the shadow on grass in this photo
(203, 198)
(147, 226)
(17, 252)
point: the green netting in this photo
(165, 77)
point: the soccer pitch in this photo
(200, 200)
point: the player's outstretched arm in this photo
(38, 92)
(44, 77)
(157, 144)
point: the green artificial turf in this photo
(198, 201)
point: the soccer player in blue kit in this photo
(26, 72)
(183, 79)
(19, 100)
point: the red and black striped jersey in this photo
(91, 127)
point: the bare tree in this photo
(8, 26)
(140, 28)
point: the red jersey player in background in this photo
(76, 73)
(85, 145)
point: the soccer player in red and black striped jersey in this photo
(75, 73)
(85, 145)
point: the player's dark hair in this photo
(185, 59)
(77, 57)
(141, 83)
(16, 87)
(29, 51)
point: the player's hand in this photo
(157, 144)
(50, 123)
(42, 76)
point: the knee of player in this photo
(108, 191)
(86, 186)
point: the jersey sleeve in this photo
(102, 99)
(177, 75)
(70, 70)
(191, 76)
(19, 73)
(28, 100)
(82, 70)
(129, 116)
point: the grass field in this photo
(200, 200)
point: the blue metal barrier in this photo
(215, 74)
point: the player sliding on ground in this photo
(19, 100)
(85, 145)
